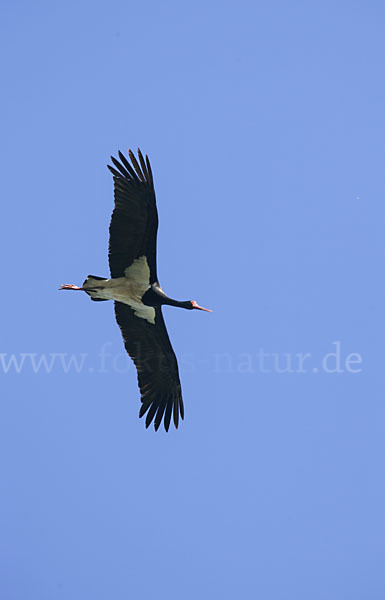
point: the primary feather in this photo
(133, 232)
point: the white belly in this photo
(128, 290)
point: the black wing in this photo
(158, 377)
(134, 221)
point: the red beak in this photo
(195, 305)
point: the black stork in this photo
(135, 288)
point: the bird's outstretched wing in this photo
(158, 377)
(134, 221)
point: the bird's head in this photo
(194, 304)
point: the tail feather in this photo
(92, 287)
(95, 277)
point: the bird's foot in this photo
(68, 286)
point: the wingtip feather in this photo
(136, 166)
(167, 416)
(176, 412)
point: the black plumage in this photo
(133, 233)
(134, 221)
(135, 288)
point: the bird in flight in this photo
(135, 288)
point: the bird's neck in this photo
(178, 303)
(155, 296)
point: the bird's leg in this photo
(68, 286)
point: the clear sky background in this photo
(264, 123)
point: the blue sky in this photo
(264, 124)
